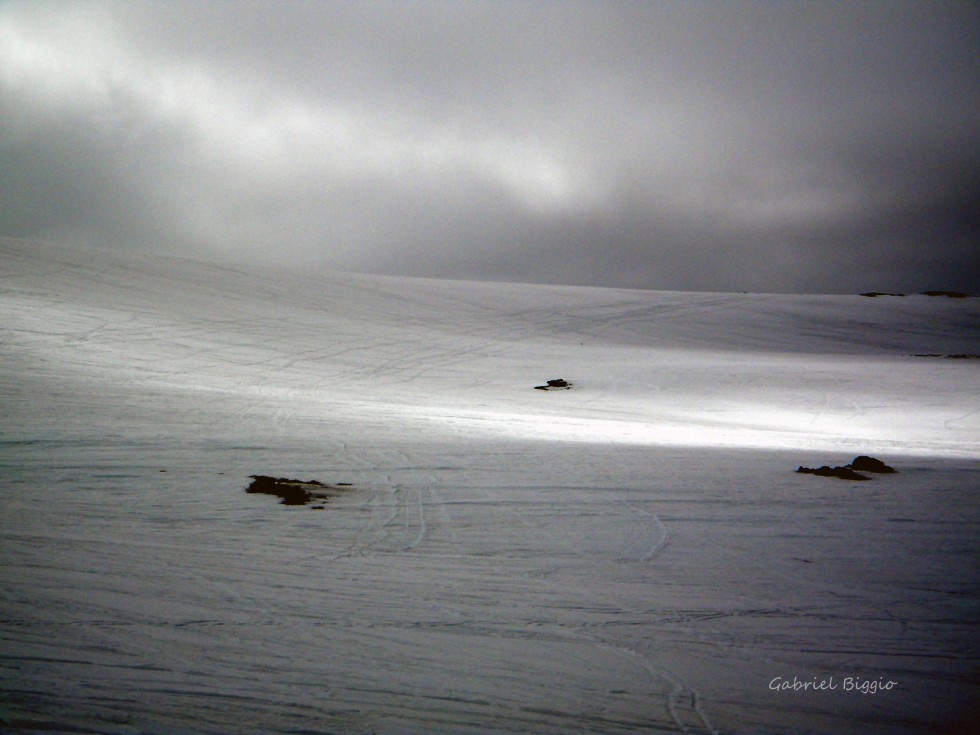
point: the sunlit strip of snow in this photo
(750, 427)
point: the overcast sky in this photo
(740, 146)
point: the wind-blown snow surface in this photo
(635, 555)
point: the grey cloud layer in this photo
(808, 146)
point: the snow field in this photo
(633, 555)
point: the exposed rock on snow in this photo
(958, 356)
(862, 462)
(949, 294)
(293, 492)
(844, 473)
(865, 463)
(556, 384)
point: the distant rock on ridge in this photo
(556, 384)
(948, 294)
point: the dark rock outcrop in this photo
(865, 463)
(844, 473)
(852, 471)
(957, 356)
(293, 492)
(948, 294)
(556, 384)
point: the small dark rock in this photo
(556, 384)
(872, 294)
(844, 473)
(870, 464)
(291, 492)
(948, 294)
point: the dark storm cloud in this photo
(814, 146)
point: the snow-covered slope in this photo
(632, 555)
(442, 357)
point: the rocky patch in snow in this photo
(958, 356)
(556, 384)
(295, 492)
(862, 462)
(844, 473)
(948, 294)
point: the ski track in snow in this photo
(635, 555)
